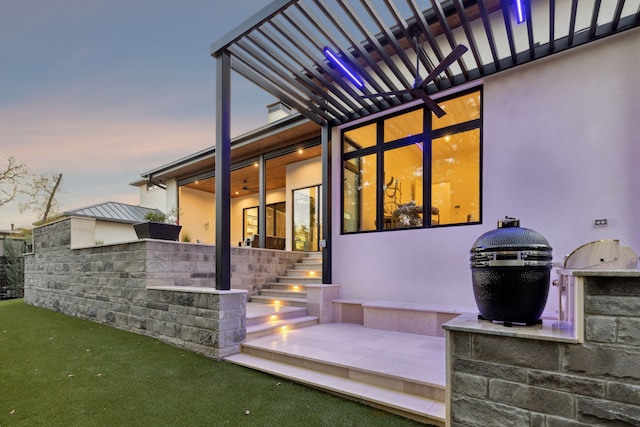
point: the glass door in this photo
(307, 219)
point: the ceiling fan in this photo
(420, 85)
(245, 187)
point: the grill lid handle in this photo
(508, 221)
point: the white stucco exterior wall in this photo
(114, 232)
(155, 197)
(561, 147)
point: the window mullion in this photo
(426, 170)
(381, 178)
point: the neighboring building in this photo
(113, 221)
(541, 124)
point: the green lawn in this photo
(57, 370)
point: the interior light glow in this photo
(520, 10)
(331, 56)
(300, 151)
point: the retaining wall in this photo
(156, 288)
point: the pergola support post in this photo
(223, 171)
(325, 242)
(262, 202)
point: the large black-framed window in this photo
(276, 220)
(413, 169)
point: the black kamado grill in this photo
(510, 268)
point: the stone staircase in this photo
(282, 305)
(291, 288)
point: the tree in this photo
(42, 192)
(12, 176)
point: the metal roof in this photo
(113, 211)
(280, 48)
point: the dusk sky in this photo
(103, 90)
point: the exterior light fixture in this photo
(520, 11)
(337, 61)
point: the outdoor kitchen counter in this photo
(605, 273)
(549, 330)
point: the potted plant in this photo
(158, 226)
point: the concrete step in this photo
(282, 293)
(297, 302)
(263, 313)
(313, 255)
(299, 280)
(311, 266)
(423, 409)
(279, 325)
(287, 287)
(316, 260)
(304, 273)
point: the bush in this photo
(155, 216)
(13, 250)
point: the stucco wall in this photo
(114, 232)
(197, 215)
(560, 149)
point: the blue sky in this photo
(102, 90)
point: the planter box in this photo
(157, 230)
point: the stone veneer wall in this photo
(110, 284)
(507, 381)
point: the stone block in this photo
(490, 370)
(532, 398)
(190, 334)
(230, 338)
(185, 320)
(461, 344)
(229, 324)
(618, 286)
(206, 323)
(481, 413)
(612, 305)
(568, 383)
(206, 337)
(605, 412)
(537, 420)
(625, 393)
(533, 354)
(603, 361)
(562, 422)
(601, 328)
(470, 385)
(629, 331)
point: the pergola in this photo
(387, 44)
